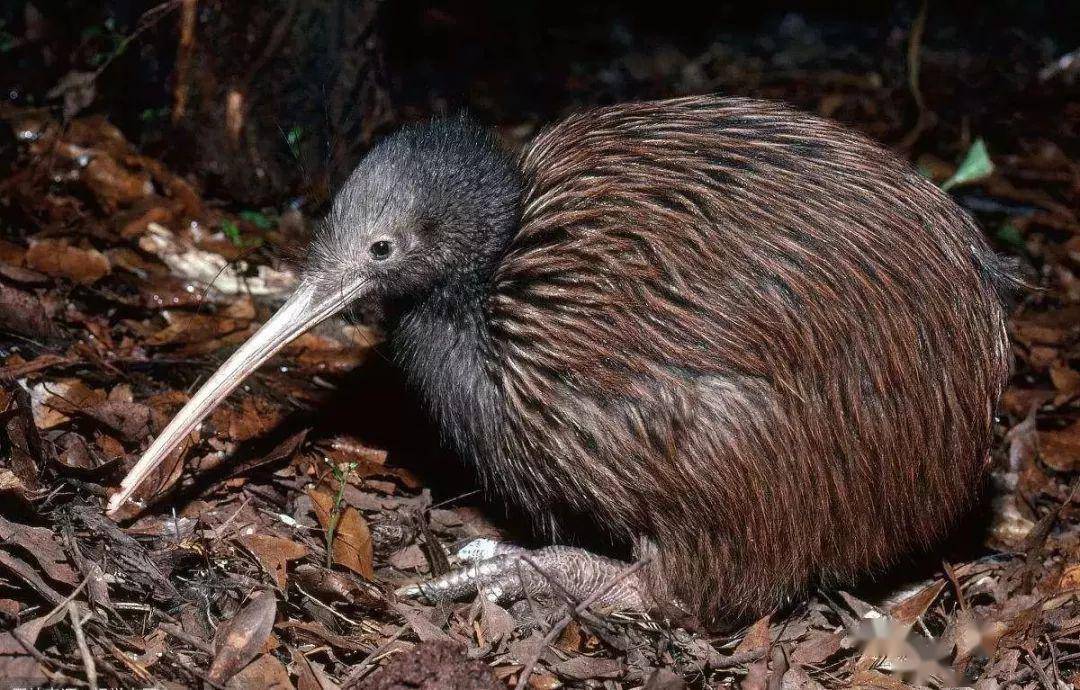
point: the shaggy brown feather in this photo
(746, 339)
(749, 343)
(742, 340)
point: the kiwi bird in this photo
(752, 347)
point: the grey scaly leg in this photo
(500, 572)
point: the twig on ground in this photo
(914, 49)
(596, 623)
(740, 658)
(557, 629)
(357, 673)
(46, 662)
(960, 598)
(84, 649)
(179, 633)
(362, 624)
(1035, 664)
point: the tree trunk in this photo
(277, 98)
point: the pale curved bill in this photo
(302, 311)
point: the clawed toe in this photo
(505, 573)
(485, 562)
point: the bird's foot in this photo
(505, 573)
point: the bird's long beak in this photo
(307, 307)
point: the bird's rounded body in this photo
(745, 340)
(747, 343)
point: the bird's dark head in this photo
(429, 209)
(434, 204)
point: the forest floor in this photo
(108, 324)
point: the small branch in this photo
(184, 49)
(1036, 665)
(596, 623)
(557, 629)
(148, 20)
(84, 649)
(354, 676)
(960, 598)
(739, 658)
(45, 662)
(180, 634)
(365, 625)
(914, 49)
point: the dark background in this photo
(312, 84)
(321, 79)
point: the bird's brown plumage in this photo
(747, 340)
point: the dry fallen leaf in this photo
(589, 668)
(1066, 381)
(318, 633)
(130, 420)
(369, 462)
(664, 679)
(409, 558)
(12, 488)
(24, 446)
(154, 646)
(212, 269)
(41, 544)
(273, 553)
(207, 331)
(327, 585)
(495, 621)
(910, 609)
(59, 259)
(133, 222)
(544, 681)
(114, 185)
(571, 638)
(265, 673)
(757, 637)
(871, 679)
(253, 417)
(242, 638)
(418, 620)
(23, 313)
(816, 648)
(310, 675)
(797, 679)
(75, 454)
(1052, 328)
(11, 253)
(55, 402)
(1060, 450)
(1070, 579)
(14, 661)
(352, 547)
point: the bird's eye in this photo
(380, 250)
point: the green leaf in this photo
(975, 166)
(1010, 235)
(232, 231)
(292, 138)
(153, 114)
(257, 219)
(7, 41)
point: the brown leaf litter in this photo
(273, 560)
